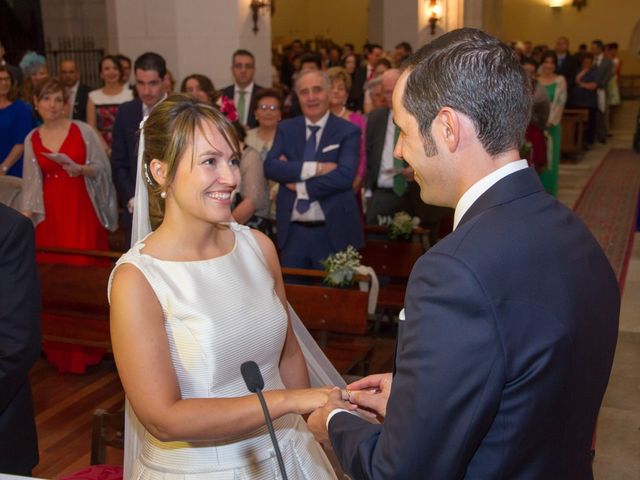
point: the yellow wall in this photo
(608, 20)
(344, 21)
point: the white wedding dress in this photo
(219, 313)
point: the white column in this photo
(194, 36)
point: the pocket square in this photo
(401, 315)
(329, 148)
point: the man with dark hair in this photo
(403, 51)
(19, 342)
(506, 341)
(314, 158)
(363, 74)
(149, 70)
(244, 90)
(77, 92)
(310, 61)
(125, 62)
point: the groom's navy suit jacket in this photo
(505, 353)
(339, 143)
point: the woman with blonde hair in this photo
(338, 96)
(190, 303)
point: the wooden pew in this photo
(337, 317)
(392, 259)
(573, 123)
(75, 309)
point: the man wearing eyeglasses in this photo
(243, 90)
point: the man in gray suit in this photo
(387, 178)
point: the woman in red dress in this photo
(68, 194)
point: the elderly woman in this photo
(338, 95)
(15, 122)
(254, 207)
(34, 68)
(68, 194)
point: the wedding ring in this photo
(346, 395)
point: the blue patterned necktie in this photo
(308, 155)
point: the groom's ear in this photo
(158, 171)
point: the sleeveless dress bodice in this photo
(218, 314)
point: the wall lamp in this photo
(434, 14)
(256, 6)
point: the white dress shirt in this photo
(482, 185)
(385, 174)
(315, 213)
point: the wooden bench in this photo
(75, 309)
(337, 317)
(573, 123)
(392, 259)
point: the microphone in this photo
(255, 383)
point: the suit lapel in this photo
(516, 185)
(328, 135)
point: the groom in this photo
(507, 338)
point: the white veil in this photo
(321, 371)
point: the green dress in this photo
(549, 176)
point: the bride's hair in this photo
(168, 131)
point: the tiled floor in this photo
(618, 440)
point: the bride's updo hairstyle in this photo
(168, 131)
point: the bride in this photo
(194, 300)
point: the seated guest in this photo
(584, 95)
(68, 194)
(77, 91)
(19, 342)
(340, 86)
(15, 122)
(254, 208)
(103, 103)
(243, 91)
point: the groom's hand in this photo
(317, 421)
(372, 393)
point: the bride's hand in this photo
(307, 400)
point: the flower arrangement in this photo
(340, 267)
(400, 226)
(228, 108)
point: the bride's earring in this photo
(163, 194)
